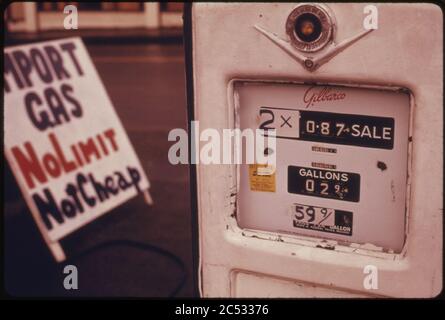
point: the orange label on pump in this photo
(262, 177)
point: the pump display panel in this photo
(341, 161)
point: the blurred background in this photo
(26, 19)
(137, 49)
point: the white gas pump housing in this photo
(354, 207)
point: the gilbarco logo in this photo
(312, 95)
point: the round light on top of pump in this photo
(309, 27)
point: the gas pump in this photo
(354, 94)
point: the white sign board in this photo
(63, 139)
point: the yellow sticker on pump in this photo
(262, 177)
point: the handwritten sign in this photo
(63, 139)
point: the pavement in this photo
(146, 83)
